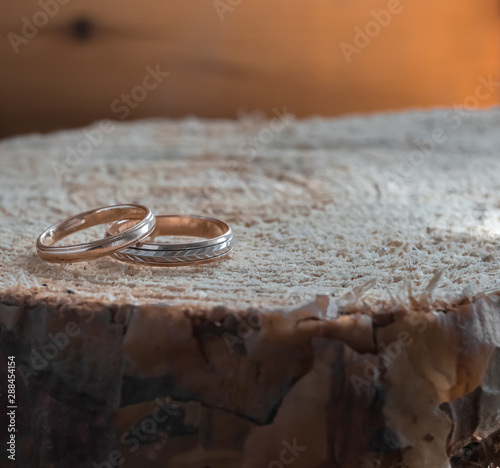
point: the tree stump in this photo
(355, 324)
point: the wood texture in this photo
(355, 204)
(265, 54)
(355, 324)
(172, 387)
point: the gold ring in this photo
(77, 253)
(218, 234)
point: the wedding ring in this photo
(218, 234)
(135, 232)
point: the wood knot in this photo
(82, 29)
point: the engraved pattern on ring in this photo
(176, 256)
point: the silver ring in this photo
(218, 233)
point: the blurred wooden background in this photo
(264, 54)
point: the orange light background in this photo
(263, 54)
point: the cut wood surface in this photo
(356, 323)
(264, 54)
(317, 206)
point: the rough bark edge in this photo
(303, 316)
